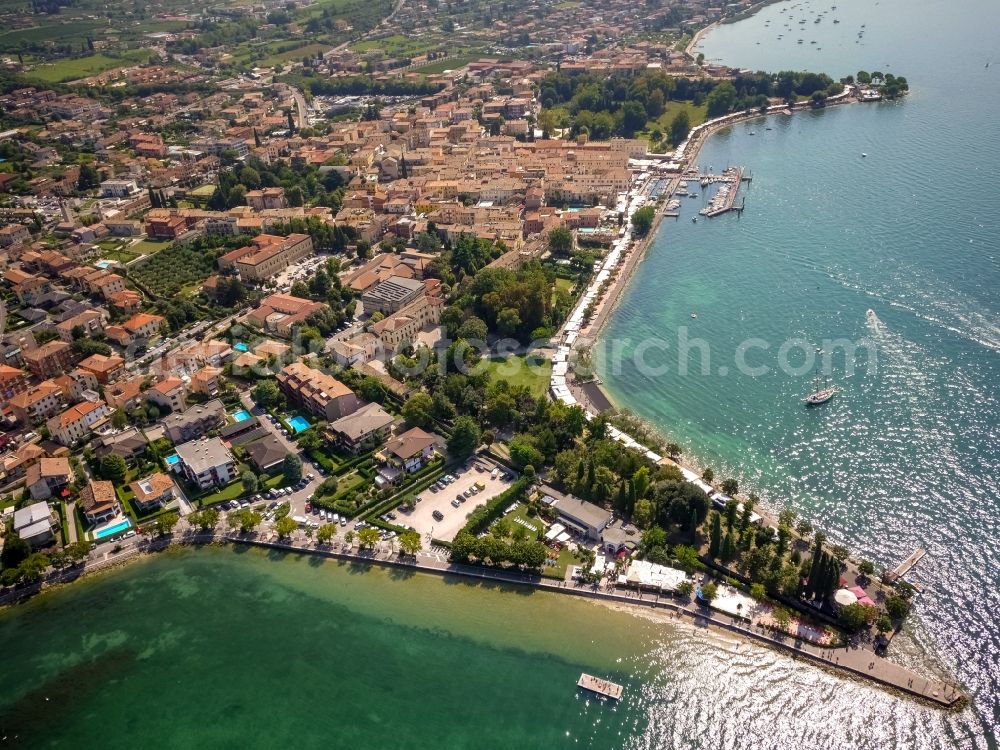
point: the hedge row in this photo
(483, 517)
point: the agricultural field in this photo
(169, 271)
(398, 45)
(439, 66)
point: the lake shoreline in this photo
(839, 660)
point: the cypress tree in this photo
(590, 476)
(727, 548)
(693, 524)
(715, 540)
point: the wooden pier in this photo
(596, 685)
(907, 565)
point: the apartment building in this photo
(195, 421)
(77, 422)
(320, 394)
(49, 360)
(37, 402)
(206, 463)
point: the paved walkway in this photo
(71, 522)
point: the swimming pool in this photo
(104, 263)
(241, 347)
(110, 530)
(172, 459)
(298, 423)
(241, 416)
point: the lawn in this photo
(148, 247)
(517, 370)
(696, 115)
(564, 561)
(73, 31)
(522, 514)
(204, 191)
(81, 67)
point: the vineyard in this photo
(173, 268)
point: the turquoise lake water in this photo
(907, 455)
(223, 648)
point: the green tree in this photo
(88, 179)
(634, 117)
(757, 591)
(644, 513)
(730, 487)
(680, 126)
(77, 551)
(708, 593)
(855, 617)
(418, 410)
(206, 519)
(114, 468)
(897, 607)
(245, 520)
(250, 481)
(267, 394)
(291, 467)
(285, 526)
(708, 475)
(715, 538)
(721, 99)
(15, 551)
(560, 241)
(866, 568)
(326, 532)
(883, 624)
(686, 558)
(465, 438)
(642, 220)
(165, 522)
(368, 537)
(409, 542)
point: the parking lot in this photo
(422, 517)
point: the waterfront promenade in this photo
(854, 661)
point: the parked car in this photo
(455, 503)
(438, 515)
(343, 521)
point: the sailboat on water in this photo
(822, 394)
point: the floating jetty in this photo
(596, 685)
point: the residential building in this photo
(104, 368)
(318, 393)
(13, 380)
(144, 325)
(195, 421)
(405, 454)
(98, 502)
(34, 524)
(78, 385)
(77, 422)
(356, 350)
(47, 477)
(14, 234)
(266, 454)
(129, 443)
(49, 360)
(37, 403)
(125, 394)
(206, 462)
(206, 380)
(280, 312)
(119, 189)
(88, 321)
(155, 491)
(361, 431)
(170, 393)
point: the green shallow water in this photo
(242, 648)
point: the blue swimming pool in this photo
(111, 530)
(172, 459)
(241, 416)
(298, 423)
(104, 263)
(241, 347)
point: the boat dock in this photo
(907, 565)
(605, 688)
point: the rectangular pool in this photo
(172, 459)
(112, 530)
(241, 416)
(298, 424)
